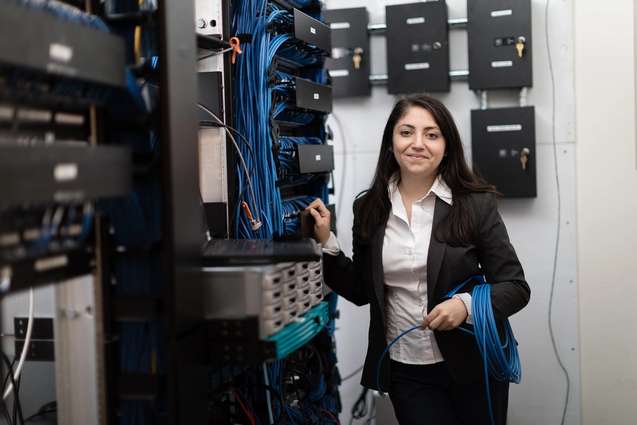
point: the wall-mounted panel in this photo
(500, 44)
(417, 47)
(349, 66)
(503, 147)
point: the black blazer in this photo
(360, 280)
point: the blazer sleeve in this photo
(510, 292)
(344, 275)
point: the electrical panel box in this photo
(503, 146)
(349, 66)
(500, 44)
(417, 47)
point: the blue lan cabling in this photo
(501, 360)
(265, 113)
(260, 102)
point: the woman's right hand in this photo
(322, 220)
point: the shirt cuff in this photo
(466, 299)
(332, 247)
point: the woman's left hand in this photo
(446, 316)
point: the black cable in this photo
(5, 381)
(16, 393)
(372, 411)
(559, 217)
(359, 409)
(5, 412)
(50, 407)
(216, 53)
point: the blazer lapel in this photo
(436, 250)
(377, 264)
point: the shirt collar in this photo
(439, 188)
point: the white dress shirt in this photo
(405, 251)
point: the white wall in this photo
(532, 223)
(606, 206)
(38, 378)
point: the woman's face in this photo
(418, 144)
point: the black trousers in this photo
(426, 395)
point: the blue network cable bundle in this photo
(281, 101)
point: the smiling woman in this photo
(418, 148)
(426, 224)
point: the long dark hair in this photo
(375, 206)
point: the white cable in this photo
(25, 348)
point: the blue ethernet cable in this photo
(501, 360)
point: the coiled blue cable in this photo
(501, 360)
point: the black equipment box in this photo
(32, 271)
(315, 158)
(246, 252)
(37, 40)
(500, 44)
(501, 140)
(312, 31)
(418, 47)
(62, 173)
(314, 96)
(349, 66)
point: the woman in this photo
(425, 225)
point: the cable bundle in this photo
(501, 360)
(264, 97)
(292, 209)
(252, 107)
(302, 388)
